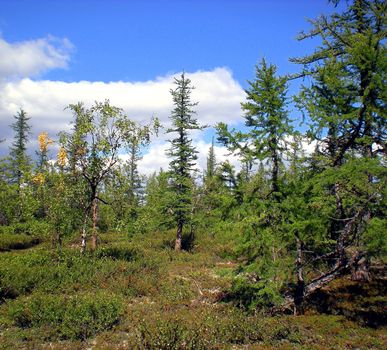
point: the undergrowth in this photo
(137, 293)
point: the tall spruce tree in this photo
(182, 152)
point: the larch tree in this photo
(182, 152)
(267, 120)
(265, 140)
(44, 142)
(349, 72)
(41, 177)
(345, 104)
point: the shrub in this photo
(38, 270)
(119, 252)
(11, 241)
(169, 335)
(77, 317)
(19, 274)
(30, 228)
(251, 295)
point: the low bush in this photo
(119, 252)
(68, 317)
(171, 335)
(186, 328)
(38, 270)
(31, 228)
(21, 241)
(253, 295)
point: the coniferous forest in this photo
(286, 251)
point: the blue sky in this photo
(54, 52)
(139, 40)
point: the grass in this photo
(139, 294)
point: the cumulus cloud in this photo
(217, 92)
(155, 158)
(33, 57)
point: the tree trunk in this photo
(94, 238)
(300, 287)
(336, 224)
(274, 174)
(341, 267)
(179, 236)
(84, 235)
(360, 269)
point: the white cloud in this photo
(221, 155)
(156, 157)
(33, 57)
(218, 94)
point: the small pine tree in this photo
(211, 162)
(20, 161)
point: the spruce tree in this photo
(182, 152)
(211, 162)
(210, 181)
(20, 161)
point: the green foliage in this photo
(30, 228)
(77, 298)
(156, 213)
(19, 160)
(182, 152)
(211, 163)
(264, 238)
(100, 132)
(10, 241)
(8, 199)
(375, 238)
(119, 252)
(268, 122)
(253, 295)
(77, 317)
(348, 93)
